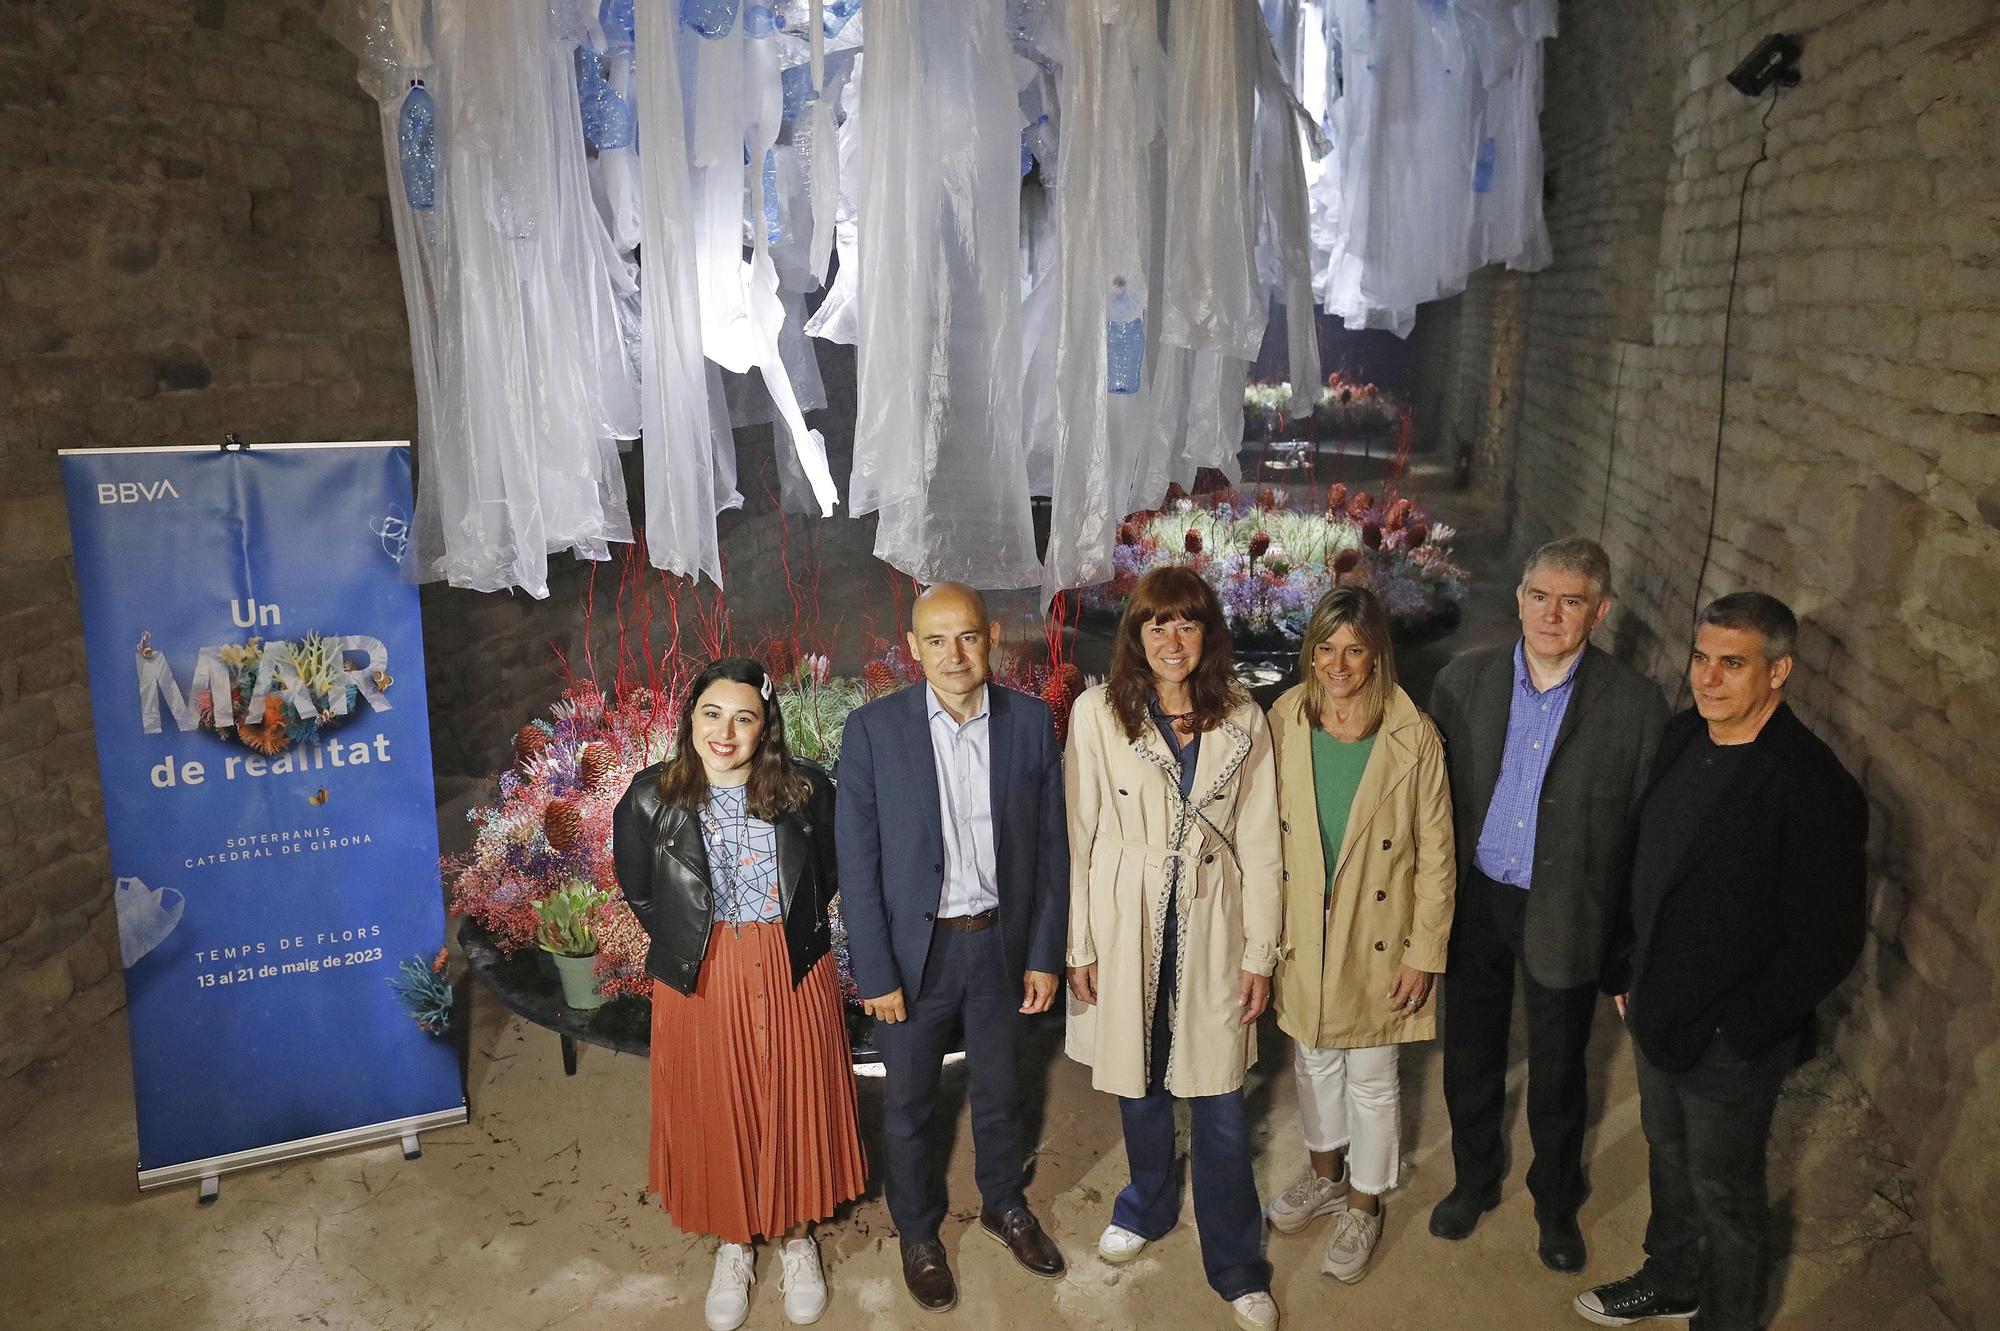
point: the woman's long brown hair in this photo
(776, 787)
(1173, 592)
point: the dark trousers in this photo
(1226, 1211)
(1485, 947)
(965, 983)
(1706, 1134)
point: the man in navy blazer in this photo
(954, 874)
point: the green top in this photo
(1337, 769)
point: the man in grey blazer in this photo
(1549, 741)
(954, 878)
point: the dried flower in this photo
(1371, 535)
(878, 678)
(562, 823)
(596, 765)
(1336, 497)
(1416, 536)
(1192, 543)
(1345, 562)
(530, 743)
(1399, 513)
(1259, 543)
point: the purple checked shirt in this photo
(1506, 850)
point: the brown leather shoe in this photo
(1023, 1235)
(928, 1276)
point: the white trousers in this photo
(1351, 1098)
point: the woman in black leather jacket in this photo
(725, 855)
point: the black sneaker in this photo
(1633, 1299)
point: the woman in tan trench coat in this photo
(1369, 880)
(1173, 926)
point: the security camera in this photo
(1775, 60)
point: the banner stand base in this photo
(209, 1172)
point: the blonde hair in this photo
(1359, 609)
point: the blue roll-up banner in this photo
(257, 688)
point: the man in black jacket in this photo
(1745, 907)
(1549, 740)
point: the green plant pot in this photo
(579, 986)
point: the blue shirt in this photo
(1187, 753)
(1506, 850)
(963, 754)
(742, 859)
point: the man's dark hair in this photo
(1767, 616)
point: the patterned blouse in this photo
(742, 859)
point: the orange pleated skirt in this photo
(754, 1120)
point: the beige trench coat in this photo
(1392, 891)
(1127, 827)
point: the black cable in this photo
(1722, 397)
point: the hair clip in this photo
(764, 689)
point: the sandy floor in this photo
(534, 1216)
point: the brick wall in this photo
(192, 240)
(1860, 462)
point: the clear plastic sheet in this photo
(681, 485)
(1108, 197)
(938, 434)
(1211, 298)
(1437, 163)
(504, 282)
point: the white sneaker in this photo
(1256, 1312)
(1307, 1200)
(1352, 1244)
(802, 1281)
(729, 1291)
(1119, 1244)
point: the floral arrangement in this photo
(550, 825)
(317, 663)
(425, 988)
(1342, 404)
(1270, 562)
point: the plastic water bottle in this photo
(709, 18)
(1482, 169)
(619, 23)
(761, 20)
(796, 84)
(416, 146)
(834, 17)
(1124, 340)
(607, 117)
(774, 230)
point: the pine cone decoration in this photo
(1192, 542)
(1259, 543)
(596, 764)
(878, 678)
(1358, 507)
(1399, 513)
(530, 743)
(1336, 497)
(562, 822)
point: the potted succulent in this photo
(564, 930)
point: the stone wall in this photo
(192, 241)
(1860, 460)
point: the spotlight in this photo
(1775, 60)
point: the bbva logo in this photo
(136, 492)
